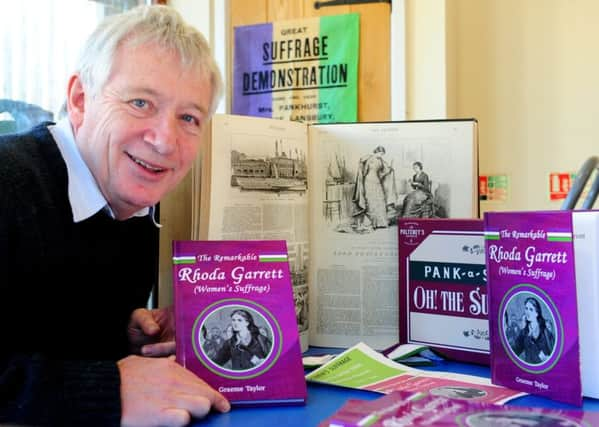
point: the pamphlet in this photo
(363, 368)
(399, 409)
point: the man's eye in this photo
(190, 119)
(139, 103)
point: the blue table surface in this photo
(324, 400)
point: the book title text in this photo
(237, 275)
(530, 255)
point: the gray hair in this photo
(141, 25)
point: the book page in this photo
(363, 176)
(255, 188)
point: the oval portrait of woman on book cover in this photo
(237, 339)
(515, 418)
(458, 392)
(531, 328)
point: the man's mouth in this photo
(146, 165)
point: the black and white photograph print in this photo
(236, 338)
(529, 328)
(458, 392)
(515, 418)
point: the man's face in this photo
(140, 134)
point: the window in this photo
(39, 44)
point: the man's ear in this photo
(75, 101)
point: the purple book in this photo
(410, 409)
(532, 303)
(235, 320)
(443, 287)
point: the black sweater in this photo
(66, 292)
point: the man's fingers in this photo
(200, 404)
(164, 392)
(222, 404)
(187, 407)
(160, 349)
(175, 417)
(209, 396)
(144, 318)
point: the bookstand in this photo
(582, 178)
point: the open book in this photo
(334, 193)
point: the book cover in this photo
(235, 320)
(317, 187)
(443, 300)
(413, 409)
(533, 316)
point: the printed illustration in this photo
(278, 170)
(236, 338)
(518, 418)
(458, 392)
(529, 328)
(372, 194)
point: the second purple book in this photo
(532, 303)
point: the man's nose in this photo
(162, 134)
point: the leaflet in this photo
(363, 368)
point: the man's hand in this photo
(160, 392)
(152, 332)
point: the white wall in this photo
(209, 16)
(426, 69)
(527, 70)
(196, 13)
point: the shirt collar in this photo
(85, 196)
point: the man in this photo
(78, 240)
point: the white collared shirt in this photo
(84, 194)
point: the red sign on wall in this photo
(560, 184)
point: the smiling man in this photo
(78, 240)
(140, 134)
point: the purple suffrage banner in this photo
(303, 70)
